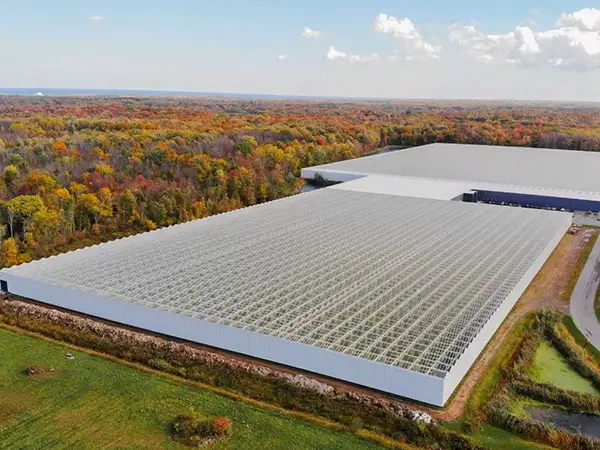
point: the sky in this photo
(521, 50)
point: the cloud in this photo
(404, 29)
(587, 19)
(309, 33)
(96, 18)
(573, 44)
(281, 57)
(333, 54)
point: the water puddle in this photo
(578, 423)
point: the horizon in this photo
(133, 92)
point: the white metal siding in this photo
(397, 381)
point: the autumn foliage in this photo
(221, 426)
(76, 171)
(196, 430)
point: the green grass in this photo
(91, 402)
(597, 304)
(518, 404)
(483, 391)
(581, 339)
(499, 439)
(550, 367)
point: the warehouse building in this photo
(389, 281)
(541, 178)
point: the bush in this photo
(574, 356)
(547, 393)
(160, 364)
(472, 425)
(221, 427)
(193, 429)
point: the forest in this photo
(75, 171)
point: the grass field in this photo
(499, 439)
(90, 402)
(549, 366)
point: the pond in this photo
(578, 423)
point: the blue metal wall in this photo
(541, 201)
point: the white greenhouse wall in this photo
(472, 352)
(414, 385)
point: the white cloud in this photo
(96, 18)
(587, 19)
(309, 33)
(350, 57)
(281, 57)
(573, 44)
(405, 30)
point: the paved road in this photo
(584, 294)
(582, 219)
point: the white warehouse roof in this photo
(564, 170)
(392, 292)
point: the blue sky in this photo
(423, 48)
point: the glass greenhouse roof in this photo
(407, 282)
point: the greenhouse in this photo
(391, 292)
(565, 170)
(531, 177)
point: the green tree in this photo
(88, 208)
(246, 146)
(46, 226)
(22, 208)
(128, 207)
(10, 175)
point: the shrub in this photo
(221, 427)
(193, 429)
(160, 364)
(472, 425)
(573, 355)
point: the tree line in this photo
(75, 171)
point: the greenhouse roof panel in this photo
(406, 282)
